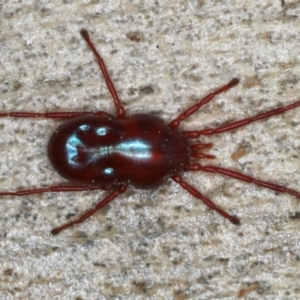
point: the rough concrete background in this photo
(162, 56)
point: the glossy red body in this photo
(140, 150)
(95, 150)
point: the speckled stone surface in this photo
(162, 56)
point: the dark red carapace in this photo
(96, 150)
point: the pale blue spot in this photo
(101, 131)
(72, 152)
(108, 171)
(84, 127)
(135, 149)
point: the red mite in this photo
(96, 150)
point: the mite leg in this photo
(209, 203)
(51, 115)
(210, 131)
(191, 110)
(242, 177)
(102, 203)
(54, 188)
(109, 84)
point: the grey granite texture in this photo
(162, 56)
